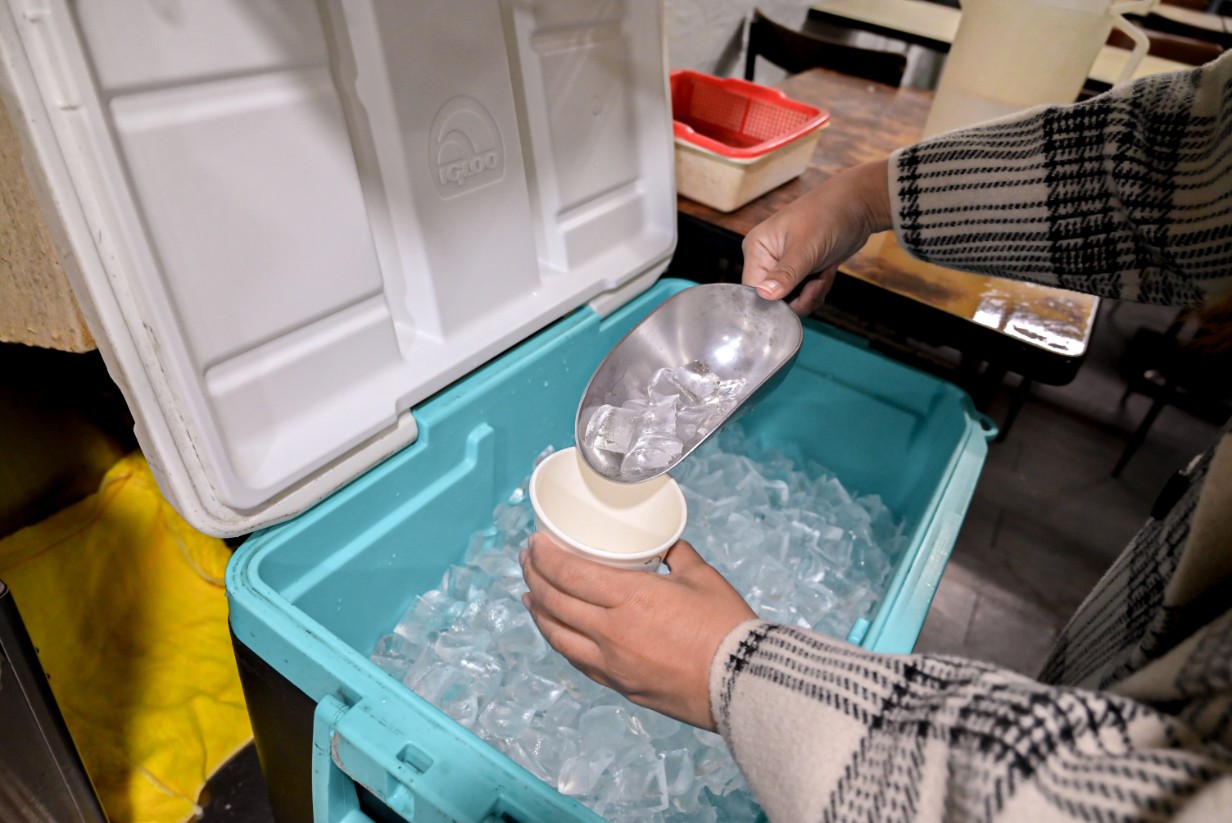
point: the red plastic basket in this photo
(735, 118)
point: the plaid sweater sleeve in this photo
(1126, 195)
(825, 731)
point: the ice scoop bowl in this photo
(722, 336)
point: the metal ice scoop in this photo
(714, 346)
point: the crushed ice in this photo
(681, 405)
(799, 546)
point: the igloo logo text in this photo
(467, 153)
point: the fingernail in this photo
(526, 600)
(770, 288)
(522, 558)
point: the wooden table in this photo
(934, 26)
(999, 326)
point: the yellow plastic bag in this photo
(125, 603)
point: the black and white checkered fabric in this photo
(1128, 195)
(951, 739)
(1030, 198)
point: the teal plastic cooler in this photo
(312, 596)
(352, 263)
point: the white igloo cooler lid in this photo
(291, 221)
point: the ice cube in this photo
(395, 654)
(495, 616)
(612, 428)
(776, 543)
(563, 713)
(425, 663)
(653, 725)
(693, 422)
(836, 547)
(715, 769)
(814, 603)
(464, 582)
(604, 726)
(460, 640)
(651, 454)
(696, 380)
(433, 684)
(506, 718)
(540, 753)
(736, 805)
(709, 740)
(635, 779)
(778, 491)
(728, 392)
(433, 611)
(688, 806)
(677, 771)
(520, 639)
(703, 814)
(663, 385)
(481, 541)
(530, 690)
(498, 564)
(580, 774)
(484, 671)
(514, 521)
(462, 705)
(657, 417)
(520, 751)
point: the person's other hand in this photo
(650, 637)
(815, 234)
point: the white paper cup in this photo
(627, 525)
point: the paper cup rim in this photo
(557, 533)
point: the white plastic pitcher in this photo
(1009, 55)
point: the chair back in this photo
(795, 51)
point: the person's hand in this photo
(650, 637)
(816, 233)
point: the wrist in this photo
(871, 195)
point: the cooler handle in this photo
(351, 746)
(334, 797)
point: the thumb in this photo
(792, 268)
(778, 283)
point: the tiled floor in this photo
(1047, 517)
